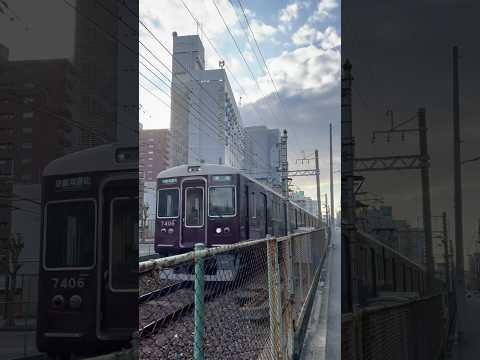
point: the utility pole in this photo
(348, 195)
(283, 153)
(332, 207)
(452, 264)
(327, 218)
(427, 216)
(445, 251)
(317, 177)
(460, 280)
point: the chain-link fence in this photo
(242, 301)
(414, 330)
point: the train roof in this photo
(202, 169)
(211, 169)
(99, 158)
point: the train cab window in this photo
(194, 207)
(221, 201)
(167, 203)
(70, 234)
(124, 244)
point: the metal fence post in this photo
(199, 302)
(274, 299)
(290, 298)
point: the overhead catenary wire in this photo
(171, 54)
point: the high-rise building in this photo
(262, 155)
(35, 117)
(206, 126)
(106, 67)
(35, 128)
(154, 152)
(153, 157)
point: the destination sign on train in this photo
(169, 181)
(222, 178)
(73, 183)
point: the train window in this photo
(167, 203)
(124, 244)
(70, 234)
(221, 201)
(194, 207)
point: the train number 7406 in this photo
(68, 283)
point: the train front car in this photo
(89, 252)
(196, 204)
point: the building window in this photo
(5, 146)
(150, 152)
(6, 131)
(6, 167)
(29, 85)
(26, 161)
(27, 145)
(28, 100)
(6, 116)
(26, 177)
(28, 115)
(150, 158)
(27, 130)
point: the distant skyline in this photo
(300, 42)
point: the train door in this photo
(194, 229)
(119, 257)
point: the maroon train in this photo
(218, 205)
(89, 252)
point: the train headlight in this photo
(163, 230)
(170, 231)
(75, 301)
(58, 301)
(218, 230)
(226, 230)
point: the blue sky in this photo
(300, 41)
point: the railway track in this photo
(166, 290)
(181, 308)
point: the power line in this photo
(174, 58)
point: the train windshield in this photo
(70, 234)
(221, 201)
(124, 244)
(167, 203)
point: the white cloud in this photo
(306, 68)
(330, 39)
(261, 30)
(323, 10)
(310, 68)
(306, 35)
(289, 13)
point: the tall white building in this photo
(262, 156)
(205, 122)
